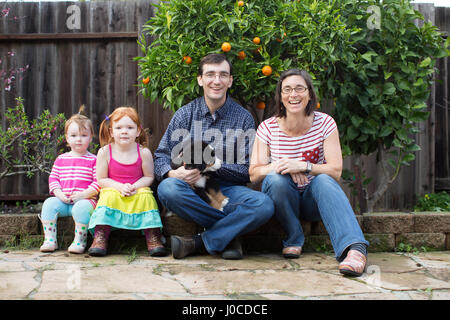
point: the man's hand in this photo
(188, 176)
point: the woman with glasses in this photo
(298, 156)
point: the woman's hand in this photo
(284, 166)
(299, 178)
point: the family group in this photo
(295, 154)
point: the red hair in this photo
(120, 112)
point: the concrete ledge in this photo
(425, 222)
(392, 222)
(384, 231)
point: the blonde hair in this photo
(81, 120)
(120, 112)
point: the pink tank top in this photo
(125, 173)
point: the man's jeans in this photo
(246, 211)
(323, 199)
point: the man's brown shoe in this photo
(182, 246)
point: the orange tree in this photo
(261, 38)
(371, 65)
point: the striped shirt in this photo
(70, 174)
(308, 147)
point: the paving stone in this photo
(428, 222)
(440, 295)
(108, 279)
(410, 281)
(390, 262)
(17, 285)
(305, 283)
(392, 222)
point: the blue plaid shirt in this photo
(231, 132)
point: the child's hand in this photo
(61, 196)
(76, 196)
(127, 190)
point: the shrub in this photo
(27, 147)
(434, 202)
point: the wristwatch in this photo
(308, 167)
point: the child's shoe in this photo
(99, 246)
(79, 242)
(154, 245)
(50, 242)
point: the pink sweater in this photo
(71, 174)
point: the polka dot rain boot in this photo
(79, 242)
(50, 242)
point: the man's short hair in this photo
(213, 58)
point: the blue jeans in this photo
(246, 211)
(80, 210)
(323, 199)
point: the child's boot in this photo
(50, 242)
(79, 242)
(99, 246)
(154, 245)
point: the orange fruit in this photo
(226, 46)
(267, 70)
(260, 105)
(240, 3)
(241, 55)
(146, 80)
(256, 40)
(187, 59)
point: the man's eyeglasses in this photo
(213, 75)
(298, 89)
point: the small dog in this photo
(196, 154)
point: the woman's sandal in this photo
(292, 252)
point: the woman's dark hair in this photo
(280, 110)
(213, 58)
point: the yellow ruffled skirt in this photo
(137, 212)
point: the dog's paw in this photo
(224, 203)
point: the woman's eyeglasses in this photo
(298, 89)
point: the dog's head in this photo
(197, 154)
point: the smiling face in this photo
(294, 101)
(215, 80)
(124, 131)
(78, 138)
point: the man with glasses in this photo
(230, 129)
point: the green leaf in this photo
(425, 63)
(389, 88)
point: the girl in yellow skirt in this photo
(125, 173)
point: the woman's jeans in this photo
(246, 211)
(323, 199)
(80, 210)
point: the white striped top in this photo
(308, 147)
(70, 173)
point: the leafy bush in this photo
(27, 147)
(434, 202)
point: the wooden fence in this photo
(92, 63)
